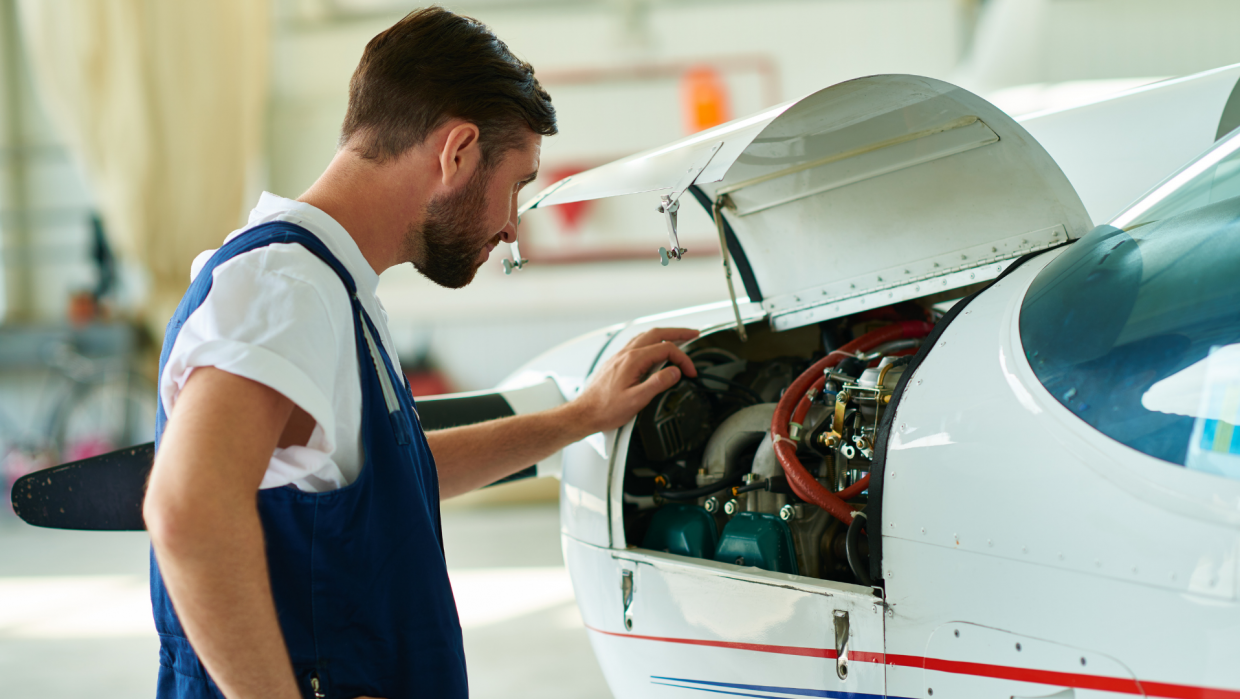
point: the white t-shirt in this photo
(280, 316)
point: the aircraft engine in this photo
(764, 458)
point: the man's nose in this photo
(509, 233)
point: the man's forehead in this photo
(526, 158)
(532, 151)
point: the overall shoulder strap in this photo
(260, 237)
(257, 237)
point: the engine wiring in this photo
(695, 493)
(772, 484)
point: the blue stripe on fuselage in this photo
(794, 691)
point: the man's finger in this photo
(657, 335)
(651, 355)
(657, 383)
(682, 360)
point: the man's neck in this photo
(375, 204)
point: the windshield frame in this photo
(1177, 181)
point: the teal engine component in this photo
(685, 530)
(758, 539)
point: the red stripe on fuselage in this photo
(828, 653)
(1122, 685)
(1119, 685)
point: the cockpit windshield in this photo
(1136, 327)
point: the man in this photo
(278, 373)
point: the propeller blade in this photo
(102, 493)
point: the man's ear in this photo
(461, 154)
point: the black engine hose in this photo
(695, 493)
(760, 485)
(852, 543)
(901, 361)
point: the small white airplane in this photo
(935, 450)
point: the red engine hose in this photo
(792, 408)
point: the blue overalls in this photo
(358, 574)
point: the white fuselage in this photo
(1024, 553)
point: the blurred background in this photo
(136, 133)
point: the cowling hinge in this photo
(669, 205)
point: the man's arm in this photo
(476, 455)
(201, 510)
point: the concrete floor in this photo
(75, 616)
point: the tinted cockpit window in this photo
(1121, 326)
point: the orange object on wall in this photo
(704, 95)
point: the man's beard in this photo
(447, 247)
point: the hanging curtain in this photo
(161, 101)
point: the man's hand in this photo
(474, 455)
(621, 388)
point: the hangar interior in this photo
(89, 255)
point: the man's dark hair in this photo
(433, 66)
